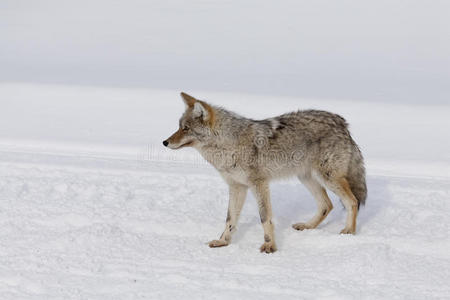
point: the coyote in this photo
(316, 146)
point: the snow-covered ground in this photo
(93, 207)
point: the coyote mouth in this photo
(185, 145)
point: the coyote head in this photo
(195, 125)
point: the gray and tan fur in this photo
(315, 146)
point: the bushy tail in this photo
(357, 176)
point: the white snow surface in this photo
(92, 206)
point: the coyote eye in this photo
(185, 128)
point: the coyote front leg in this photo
(262, 194)
(238, 192)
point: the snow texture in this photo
(93, 207)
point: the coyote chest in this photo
(228, 161)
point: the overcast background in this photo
(359, 50)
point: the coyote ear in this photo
(201, 111)
(188, 100)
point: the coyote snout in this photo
(178, 140)
(250, 153)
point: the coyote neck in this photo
(225, 137)
(228, 129)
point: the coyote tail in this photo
(357, 176)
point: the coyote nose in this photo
(165, 143)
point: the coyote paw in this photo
(302, 226)
(268, 247)
(217, 243)
(348, 231)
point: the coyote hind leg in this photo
(342, 189)
(324, 205)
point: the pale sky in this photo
(360, 50)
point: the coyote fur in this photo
(313, 145)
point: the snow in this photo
(92, 206)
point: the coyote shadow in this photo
(293, 203)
